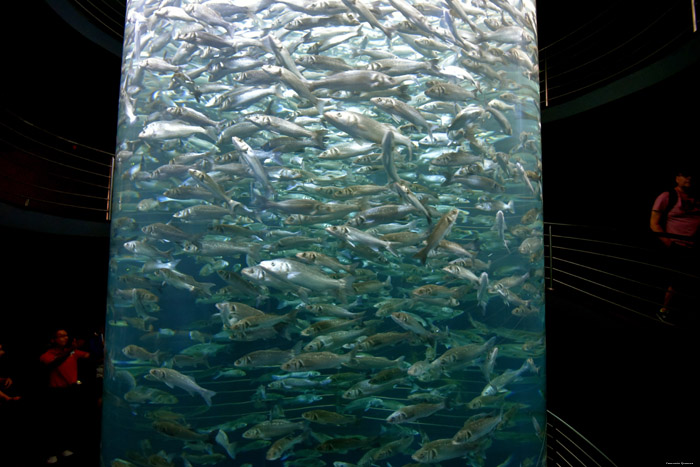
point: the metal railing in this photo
(49, 173)
(625, 270)
(568, 447)
(621, 39)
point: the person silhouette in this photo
(675, 218)
(63, 394)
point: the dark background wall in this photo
(611, 378)
(605, 166)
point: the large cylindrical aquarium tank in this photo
(327, 236)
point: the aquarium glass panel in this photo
(326, 242)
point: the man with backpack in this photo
(675, 217)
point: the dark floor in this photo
(27, 426)
(624, 382)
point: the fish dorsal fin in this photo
(276, 412)
(476, 417)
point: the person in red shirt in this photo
(5, 383)
(62, 398)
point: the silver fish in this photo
(173, 378)
(170, 129)
(360, 126)
(441, 230)
(357, 237)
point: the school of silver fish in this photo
(327, 235)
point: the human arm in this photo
(655, 223)
(54, 358)
(5, 397)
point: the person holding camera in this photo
(63, 396)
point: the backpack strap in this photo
(672, 200)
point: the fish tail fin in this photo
(257, 200)
(412, 225)
(158, 357)
(365, 40)
(387, 32)
(207, 287)
(400, 361)
(303, 293)
(390, 248)
(212, 133)
(348, 284)
(291, 316)
(462, 291)
(296, 350)
(489, 343)
(364, 204)
(448, 179)
(223, 441)
(233, 206)
(404, 93)
(283, 330)
(426, 212)
(276, 157)
(353, 353)
(422, 255)
(320, 135)
(279, 93)
(254, 253)
(207, 394)
(347, 288)
(320, 105)
(531, 366)
(430, 132)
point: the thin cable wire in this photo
(29, 198)
(609, 77)
(559, 420)
(54, 148)
(54, 190)
(118, 13)
(651, 302)
(629, 261)
(648, 286)
(595, 241)
(561, 445)
(108, 27)
(651, 286)
(26, 122)
(605, 300)
(118, 22)
(53, 161)
(574, 31)
(12, 180)
(609, 51)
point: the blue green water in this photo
(218, 209)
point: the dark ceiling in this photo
(62, 72)
(60, 67)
